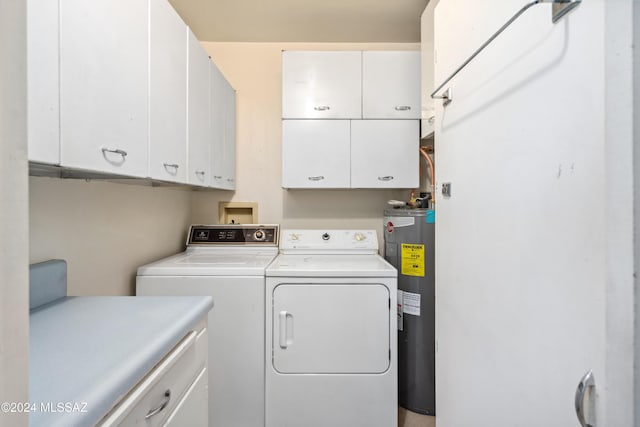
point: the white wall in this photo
(254, 70)
(14, 306)
(105, 230)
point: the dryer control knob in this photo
(326, 236)
(259, 235)
(294, 237)
(360, 237)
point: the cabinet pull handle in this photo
(174, 166)
(315, 178)
(587, 381)
(385, 178)
(403, 108)
(431, 120)
(230, 179)
(217, 177)
(321, 108)
(114, 151)
(200, 173)
(165, 402)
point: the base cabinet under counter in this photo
(173, 393)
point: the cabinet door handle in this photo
(173, 166)
(114, 151)
(403, 108)
(200, 173)
(165, 402)
(230, 179)
(587, 381)
(385, 178)
(315, 178)
(217, 177)
(431, 120)
(321, 108)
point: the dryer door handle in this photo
(286, 329)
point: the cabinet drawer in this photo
(159, 392)
(192, 410)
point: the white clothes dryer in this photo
(331, 332)
(226, 262)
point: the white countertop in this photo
(87, 352)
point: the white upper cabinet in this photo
(427, 73)
(315, 153)
(217, 108)
(229, 145)
(321, 85)
(391, 85)
(199, 136)
(223, 129)
(167, 93)
(377, 147)
(104, 85)
(384, 154)
(124, 88)
(43, 102)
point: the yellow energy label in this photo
(412, 260)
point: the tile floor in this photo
(407, 418)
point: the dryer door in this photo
(331, 328)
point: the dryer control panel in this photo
(329, 241)
(234, 234)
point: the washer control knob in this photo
(294, 236)
(360, 237)
(259, 235)
(326, 236)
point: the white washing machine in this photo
(227, 262)
(331, 332)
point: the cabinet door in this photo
(167, 93)
(385, 154)
(331, 329)
(321, 85)
(223, 128)
(315, 153)
(229, 145)
(199, 167)
(427, 79)
(43, 103)
(391, 85)
(217, 99)
(104, 85)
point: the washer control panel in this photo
(234, 234)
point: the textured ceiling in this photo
(303, 20)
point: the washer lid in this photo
(289, 265)
(210, 263)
